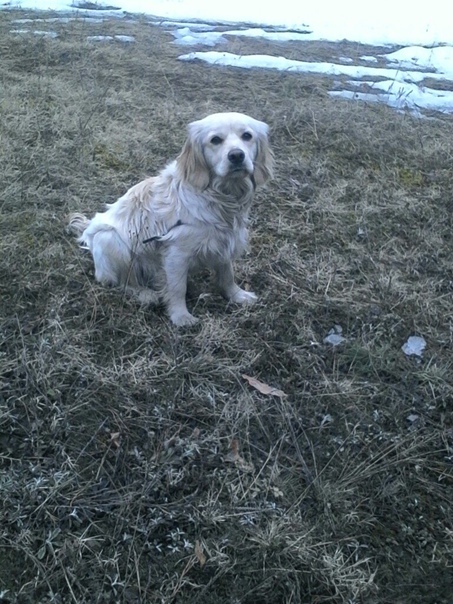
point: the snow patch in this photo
(414, 346)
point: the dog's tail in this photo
(77, 224)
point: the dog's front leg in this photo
(176, 269)
(228, 287)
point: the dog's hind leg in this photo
(115, 264)
(113, 260)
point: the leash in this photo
(157, 237)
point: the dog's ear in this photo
(264, 162)
(191, 163)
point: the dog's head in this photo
(226, 146)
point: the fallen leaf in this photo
(235, 447)
(115, 438)
(262, 387)
(199, 553)
(234, 457)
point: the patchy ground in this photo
(138, 464)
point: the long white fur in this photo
(194, 214)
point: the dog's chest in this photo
(212, 244)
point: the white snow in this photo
(423, 30)
(414, 346)
(186, 37)
(120, 38)
(43, 34)
(280, 63)
(334, 339)
(126, 39)
(99, 38)
(403, 22)
(60, 20)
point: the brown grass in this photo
(137, 463)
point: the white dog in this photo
(193, 214)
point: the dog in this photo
(194, 214)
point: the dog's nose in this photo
(236, 156)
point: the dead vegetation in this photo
(138, 464)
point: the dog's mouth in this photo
(242, 173)
(239, 171)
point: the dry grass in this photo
(137, 464)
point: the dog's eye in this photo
(247, 136)
(216, 140)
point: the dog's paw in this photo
(244, 297)
(183, 319)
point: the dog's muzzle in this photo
(236, 157)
